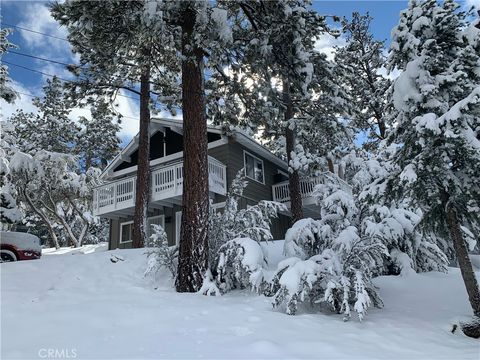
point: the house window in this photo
(254, 168)
(126, 232)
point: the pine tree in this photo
(6, 91)
(10, 212)
(49, 128)
(436, 112)
(282, 86)
(97, 142)
(359, 63)
(121, 46)
(201, 33)
(393, 221)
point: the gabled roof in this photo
(159, 124)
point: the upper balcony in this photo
(166, 187)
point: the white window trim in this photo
(121, 232)
(245, 167)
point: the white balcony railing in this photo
(166, 182)
(281, 193)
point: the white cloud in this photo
(326, 44)
(36, 16)
(130, 110)
(474, 3)
(23, 102)
(392, 75)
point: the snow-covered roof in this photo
(159, 124)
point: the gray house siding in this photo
(232, 155)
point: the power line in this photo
(35, 32)
(41, 58)
(52, 61)
(33, 70)
(50, 75)
(45, 59)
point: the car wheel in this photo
(7, 256)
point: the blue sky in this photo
(35, 16)
(385, 13)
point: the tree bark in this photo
(293, 175)
(53, 241)
(461, 251)
(142, 191)
(331, 165)
(193, 252)
(382, 128)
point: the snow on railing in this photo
(217, 176)
(281, 193)
(166, 182)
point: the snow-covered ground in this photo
(85, 249)
(84, 305)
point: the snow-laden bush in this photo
(9, 211)
(303, 239)
(240, 264)
(333, 260)
(235, 255)
(159, 254)
(410, 250)
(339, 276)
(233, 222)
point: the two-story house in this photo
(227, 154)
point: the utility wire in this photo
(44, 59)
(41, 58)
(33, 70)
(35, 32)
(50, 75)
(56, 62)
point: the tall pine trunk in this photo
(193, 253)
(461, 251)
(142, 191)
(293, 175)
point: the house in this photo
(227, 154)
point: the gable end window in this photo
(253, 167)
